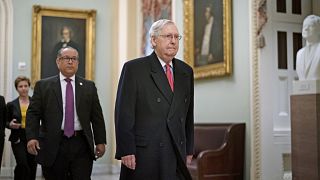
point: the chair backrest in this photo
(228, 140)
(209, 136)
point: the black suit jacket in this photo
(3, 116)
(46, 106)
(150, 119)
(14, 112)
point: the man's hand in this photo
(100, 149)
(129, 161)
(14, 124)
(189, 159)
(33, 146)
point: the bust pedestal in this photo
(305, 130)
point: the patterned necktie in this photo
(69, 110)
(169, 75)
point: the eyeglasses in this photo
(68, 59)
(170, 36)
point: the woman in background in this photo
(16, 121)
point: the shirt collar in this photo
(163, 63)
(62, 77)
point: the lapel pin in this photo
(80, 83)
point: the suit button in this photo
(181, 119)
(185, 100)
(158, 100)
(181, 142)
(161, 144)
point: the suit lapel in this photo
(57, 91)
(78, 90)
(179, 78)
(160, 78)
(17, 106)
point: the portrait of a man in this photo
(59, 32)
(208, 33)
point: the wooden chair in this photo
(219, 152)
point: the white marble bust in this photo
(308, 57)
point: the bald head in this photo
(69, 48)
(68, 61)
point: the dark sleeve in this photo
(9, 114)
(97, 120)
(34, 113)
(125, 114)
(190, 120)
(3, 111)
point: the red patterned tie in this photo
(69, 110)
(169, 75)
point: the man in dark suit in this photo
(71, 122)
(154, 111)
(3, 120)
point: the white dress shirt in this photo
(163, 64)
(63, 83)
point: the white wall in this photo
(226, 99)
(22, 46)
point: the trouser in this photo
(73, 161)
(26, 167)
(1, 150)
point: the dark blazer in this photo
(46, 106)
(14, 112)
(151, 120)
(3, 116)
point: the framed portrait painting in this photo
(208, 37)
(55, 28)
(152, 11)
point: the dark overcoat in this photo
(152, 122)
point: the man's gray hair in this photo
(68, 47)
(158, 26)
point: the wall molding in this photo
(6, 41)
(255, 95)
(6, 64)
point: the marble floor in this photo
(106, 177)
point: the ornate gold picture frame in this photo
(54, 28)
(208, 37)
